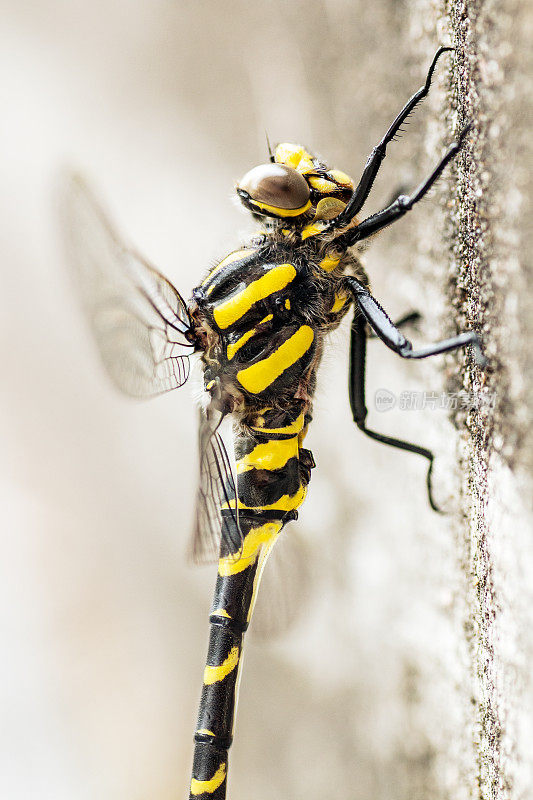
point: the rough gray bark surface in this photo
(488, 240)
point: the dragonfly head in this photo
(292, 185)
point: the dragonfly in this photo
(258, 324)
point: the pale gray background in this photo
(407, 675)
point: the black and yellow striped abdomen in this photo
(272, 476)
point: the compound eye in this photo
(277, 186)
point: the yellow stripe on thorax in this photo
(313, 229)
(253, 541)
(228, 260)
(215, 674)
(210, 786)
(271, 455)
(258, 376)
(235, 307)
(340, 300)
(330, 261)
(233, 348)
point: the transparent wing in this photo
(216, 488)
(140, 323)
(138, 318)
(285, 586)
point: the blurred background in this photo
(164, 105)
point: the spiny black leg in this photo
(402, 204)
(382, 325)
(377, 155)
(407, 319)
(356, 389)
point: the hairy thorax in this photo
(262, 314)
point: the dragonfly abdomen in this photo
(272, 477)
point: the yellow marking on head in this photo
(221, 612)
(287, 303)
(253, 542)
(340, 300)
(258, 376)
(341, 177)
(293, 427)
(228, 260)
(216, 674)
(288, 502)
(281, 212)
(306, 165)
(330, 261)
(210, 385)
(295, 156)
(271, 455)
(210, 786)
(233, 348)
(322, 185)
(289, 154)
(235, 307)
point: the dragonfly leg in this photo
(404, 203)
(379, 152)
(384, 328)
(356, 389)
(411, 318)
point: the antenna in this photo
(271, 154)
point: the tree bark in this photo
(487, 238)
